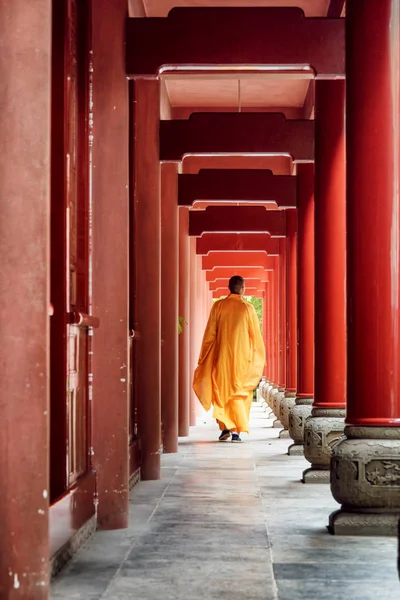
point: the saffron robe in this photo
(231, 362)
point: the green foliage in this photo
(258, 305)
(181, 323)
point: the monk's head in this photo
(236, 285)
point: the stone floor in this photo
(231, 521)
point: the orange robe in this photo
(231, 363)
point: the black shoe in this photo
(236, 438)
(225, 435)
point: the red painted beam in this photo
(249, 292)
(250, 284)
(245, 242)
(228, 272)
(235, 36)
(237, 185)
(237, 219)
(241, 133)
(236, 259)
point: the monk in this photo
(231, 362)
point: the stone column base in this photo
(296, 449)
(365, 480)
(297, 418)
(287, 402)
(284, 434)
(316, 474)
(342, 522)
(277, 399)
(322, 431)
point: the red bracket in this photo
(237, 219)
(239, 185)
(244, 242)
(254, 36)
(241, 133)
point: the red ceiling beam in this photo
(336, 8)
(236, 219)
(227, 273)
(244, 242)
(249, 292)
(242, 133)
(250, 283)
(237, 185)
(235, 36)
(236, 260)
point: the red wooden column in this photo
(169, 306)
(110, 267)
(290, 348)
(305, 307)
(328, 410)
(365, 465)
(276, 365)
(148, 278)
(193, 330)
(25, 33)
(264, 326)
(184, 310)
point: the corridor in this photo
(230, 521)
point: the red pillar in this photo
(372, 446)
(110, 282)
(291, 309)
(327, 420)
(193, 327)
(373, 219)
(330, 246)
(25, 33)
(305, 281)
(169, 306)
(305, 307)
(282, 314)
(184, 308)
(290, 324)
(265, 328)
(148, 277)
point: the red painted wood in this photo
(291, 300)
(25, 73)
(244, 242)
(169, 306)
(184, 310)
(235, 36)
(110, 275)
(305, 281)
(282, 314)
(223, 284)
(241, 133)
(373, 256)
(330, 246)
(236, 259)
(148, 274)
(234, 219)
(72, 511)
(227, 273)
(245, 185)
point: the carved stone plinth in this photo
(284, 434)
(322, 431)
(365, 480)
(297, 418)
(271, 396)
(296, 450)
(363, 523)
(278, 397)
(287, 402)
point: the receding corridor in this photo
(230, 521)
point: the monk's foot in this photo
(225, 435)
(236, 438)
